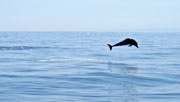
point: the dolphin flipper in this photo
(130, 45)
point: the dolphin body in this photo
(127, 41)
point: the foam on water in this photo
(72, 59)
(78, 60)
(21, 47)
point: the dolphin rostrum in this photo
(127, 41)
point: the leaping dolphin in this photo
(127, 41)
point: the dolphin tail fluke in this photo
(110, 46)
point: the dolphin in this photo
(127, 41)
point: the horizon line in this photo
(92, 31)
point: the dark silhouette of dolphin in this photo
(127, 41)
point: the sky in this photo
(90, 15)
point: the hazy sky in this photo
(89, 15)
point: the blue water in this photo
(78, 67)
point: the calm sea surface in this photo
(78, 67)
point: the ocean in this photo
(79, 67)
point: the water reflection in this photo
(125, 90)
(122, 68)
